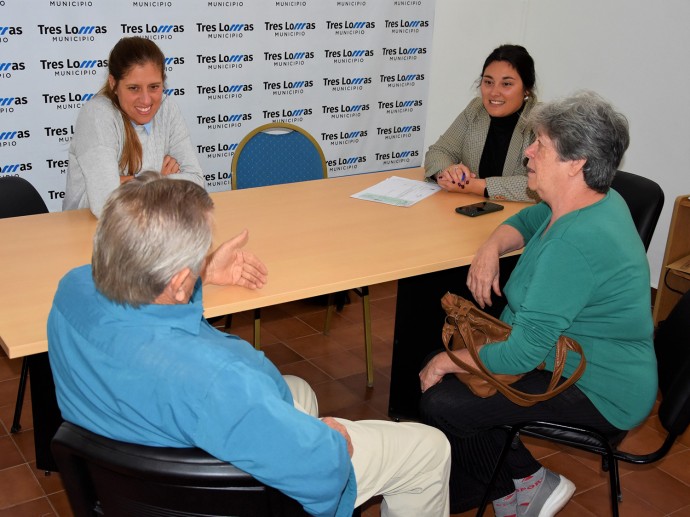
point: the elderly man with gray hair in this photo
(134, 360)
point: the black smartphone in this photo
(481, 208)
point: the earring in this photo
(526, 97)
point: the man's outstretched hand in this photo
(229, 264)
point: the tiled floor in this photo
(334, 366)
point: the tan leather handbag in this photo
(471, 328)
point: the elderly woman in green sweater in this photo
(583, 273)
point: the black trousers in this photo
(419, 319)
(468, 421)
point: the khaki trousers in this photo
(405, 462)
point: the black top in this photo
(497, 143)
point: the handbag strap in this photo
(563, 346)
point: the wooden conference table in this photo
(314, 238)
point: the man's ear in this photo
(177, 283)
(174, 292)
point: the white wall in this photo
(632, 53)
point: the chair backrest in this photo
(672, 346)
(645, 200)
(277, 153)
(19, 197)
(104, 476)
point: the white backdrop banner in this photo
(352, 73)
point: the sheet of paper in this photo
(398, 191)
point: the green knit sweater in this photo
(586, 277)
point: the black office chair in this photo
(672, 348)
(645, 199)
(108, 477)
(18, 197)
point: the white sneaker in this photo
(550, 497)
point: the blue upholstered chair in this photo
(279, 153)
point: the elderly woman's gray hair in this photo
(585, 126)
(150, 229)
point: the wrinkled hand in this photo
(483, 275)
(231, 265)
(455, 177)
(170, 166)
(337, 426)
(433, 371)
(440, 365)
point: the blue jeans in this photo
(468, 421)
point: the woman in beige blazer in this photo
(482, 151)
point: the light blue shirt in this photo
(160, 375)
(147, 126)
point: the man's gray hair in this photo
(150, 229)
(585, 126)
